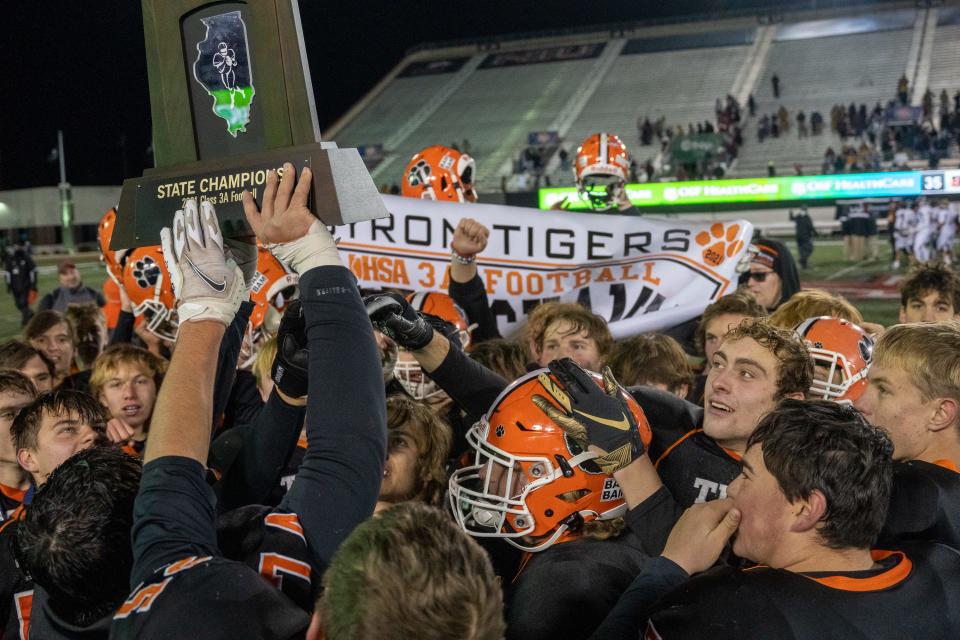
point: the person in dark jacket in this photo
(805, 233)
(773, 275)
(71, 290)
(21, 275)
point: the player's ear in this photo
(809, 512)
(26, 460)
(946, 415)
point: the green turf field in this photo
(828, 266)
(826, 263)
(90, 268)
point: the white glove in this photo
(207, 285)
(315, 249)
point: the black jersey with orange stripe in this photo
(691, 465)
(175, 600)
(272, 543)
(924, 503)
(912, 593)
(10, 499)
(568, 589)
(16, 587)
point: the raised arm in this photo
(339, 480)
(466, 287)
(209, 289)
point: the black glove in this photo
(448, 330)
(393, 316)
(591, 415)
(291, 365)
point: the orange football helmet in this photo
(440, 173)
(271, 291)
(530, 483)
(112, 259)
(407, 371)
(601, 170)
(842, 354)
(147, 283)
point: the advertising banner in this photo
(640, 274)
(827, 187)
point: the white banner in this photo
(640, 273)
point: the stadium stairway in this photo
(816, 73)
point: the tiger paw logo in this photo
(719, 245)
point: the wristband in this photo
(461, 259)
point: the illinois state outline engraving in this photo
(223, 69)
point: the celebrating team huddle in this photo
(291, 457)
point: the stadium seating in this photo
(815, 74)
(677, 72)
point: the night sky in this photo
(80, 66)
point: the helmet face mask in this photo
(440, 173)
(490, 497)
(602, 192)
(600, 170)
(842, 354)
(414, 381)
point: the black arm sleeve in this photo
(266, 447)
(46, 302)
(653, 519)
(123, 332)
(227, 359)
(173, 516)
(471, 385)
(338, 482)
(627, 618)
(472, 298)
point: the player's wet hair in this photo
(794, 364)
(740, 303)
(106, 366)
(88, 324)
(579, 318)
(929, 353)
(819, 445)
(75, 538)
(433, 438)
(12, 381)
(813, 303)
(14, 354)
(506, 357)
(58, 402)
(651, 358)
(410, 572)
(928, 277)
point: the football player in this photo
(946, 217)
(49, 332)
(904, 230)
(842, 353)
(126, 379)
(601, 169)
(538, 487)
(914, 394)
(807, 508)
(440, 173)
(930, 293)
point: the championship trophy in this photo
(231, 98)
